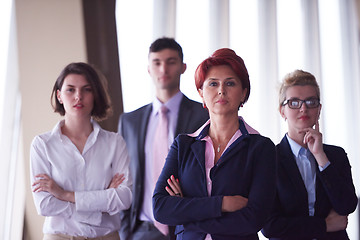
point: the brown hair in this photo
(166, 43)
(102, 103)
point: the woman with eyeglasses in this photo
(315, 191)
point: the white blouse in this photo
(88, 174)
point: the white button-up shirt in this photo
(88, 175)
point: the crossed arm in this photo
(229, 203)
(44, 183)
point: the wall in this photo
(50, 35)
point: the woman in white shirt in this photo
(79, 171)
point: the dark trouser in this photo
(147, 230)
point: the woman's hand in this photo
(335, 222)
(44, 183)
(116, 180)
(233, 203)
(175, 189)
(313, 139)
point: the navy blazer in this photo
(133, 127)
(334, 190)
(246, 168)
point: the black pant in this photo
(147, 230)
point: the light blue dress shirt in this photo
(307, 167)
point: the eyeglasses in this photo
(295, 103)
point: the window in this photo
(273, 38)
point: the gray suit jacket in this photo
(133, 127)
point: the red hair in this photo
(223, 56)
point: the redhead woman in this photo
(79, 171)
(219, 182)
(315, 191)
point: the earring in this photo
(241, 105)
(204, 105)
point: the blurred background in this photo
(274, 37)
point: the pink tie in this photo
(160, 152)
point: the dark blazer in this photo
(246, 168)
(334, 190)
(133, 127)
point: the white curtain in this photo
(11, 172)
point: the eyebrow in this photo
(296, 98)
(229, 78)
(87, 85)
(167, 59)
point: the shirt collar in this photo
(204, 129)
(56, 131)
(295, 147)
(172, 104)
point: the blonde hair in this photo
(297, 78)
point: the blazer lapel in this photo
(184, 116)
(321, 195)
(142, 136)
(234, 149)
(287, 161)
(198, 148)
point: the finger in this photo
(305, 130)
(171, 193)
(171, 184)
(35, 183)
(309, 136)
(317, 128)
(175, 182)
(118, 177)
(36, 189)
(174, 189)
(174, 185)
(115, 178)
(121, 180)
(40, 188)
(179, 187)
(115, 184)
(305, 140)
(42, 176)
(40, 181)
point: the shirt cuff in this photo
(324, 167)
(91, 218)
(84, 213)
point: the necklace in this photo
(218, 148)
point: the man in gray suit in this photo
(138, 129)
